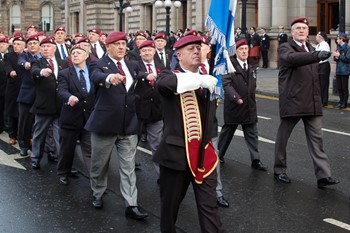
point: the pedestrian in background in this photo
(265, 46)
(254, 47)
(342, 58)
(324, 69)
(300, 99)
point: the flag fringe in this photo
(216, 33)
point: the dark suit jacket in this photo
(149, 105)
(57, 53)
(3, 77)
(134, 54)
(103, 47)
(73, 117)
(46, 100)
(115, 107)
(168, 56)
(171, 151)
(265, 42)
(13, 84)
(27, 92)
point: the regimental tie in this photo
(303, 46)
(121, 71)
(83, 82)
(52, 65)
(64, 56)
(204, 70)
(162, 58)
(95, 48)
(152, 83)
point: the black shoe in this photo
(326, 182)
(63, 180)
(143, 138)
(73, 173)
(135, 213)
(51, 157)
(97, 202)
(23, 152)
(282, 177)
(35, 165)
(222, 202)
(257, 165)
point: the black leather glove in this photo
(323, 55)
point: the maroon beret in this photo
(115, 36)
(82, 40)
(186, 40)
(60, 28)
(78, 34)
(20, 38)
(40, 34)
(141, 34)
(240, 43)
(48, 40)
(18, 34)
(4, 39)
(78, 46)
(95, 30)
(147, 43)
(160, 36)
(103, 34)
(300, 20)
(205, 40)
(191, 32)
(34, 37)
(32, 26)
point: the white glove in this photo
(208, 82)
(193, 81)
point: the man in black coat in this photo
(240, 106)
(184, 97)
(4, 44)
(47, 105)
(134, 54)
(162, 55)
(77, 94)
(26, 94)
(150, 106)
(62, 50)
(98, 49)
(113, 122)
(265, 46)
(14, 81)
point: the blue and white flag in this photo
(220, 22)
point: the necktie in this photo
(95, 48)
(121, 71)
(204, 70)
(35, 57)
(245, 66)
(82, 81)
(63, 53)
(52, 65)
(151, 82)
(162, 58)
(303, 46)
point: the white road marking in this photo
(336, 132)
(337, 223)
(239, 133)
(144, 150)
(265, 118)
(10, 160)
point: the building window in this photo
(15, 18)
(47, 17)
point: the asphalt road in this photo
(33, 201)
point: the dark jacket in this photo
(27, 91)
(3, 77)
(298, 81)
(115, 107)
(168, 56)
(171, 151)
(134, 55)
(343, 62)
(103, 46)
(73, 117)
(240, 85)
(57, 53)
(265, 42)
(13, 84)
(46, 98)
(149, 106)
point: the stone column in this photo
(264, 17)
(279, 14)
(347, 16)
(189, 15)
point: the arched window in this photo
(47, 17)
(15, 14)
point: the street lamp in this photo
(167, 4)
(244, 17)
(123, 7)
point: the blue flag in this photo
(220, 22)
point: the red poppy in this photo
(158, 70)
